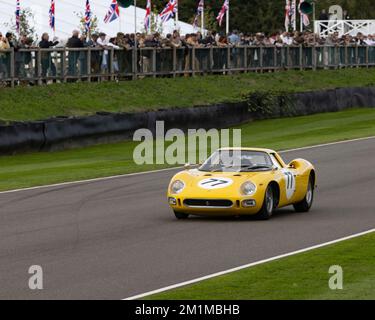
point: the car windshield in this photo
(237, 161)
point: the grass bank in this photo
(35, 103)
(304, 276)
(112, 159)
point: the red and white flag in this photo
(52, 15)
(88, 15)
(293, 14)
(113, 12)
(287, 15)
(222, 12)
(169, 11)
(18, 18)
(200, 11)
(148, 16)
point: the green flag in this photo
(125, 3)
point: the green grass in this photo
(35, 169)
(35, 103)
(303, 276)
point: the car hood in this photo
(218, 184)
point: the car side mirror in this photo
(274, 168)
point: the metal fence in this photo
(91, 64)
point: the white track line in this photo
(168, 169)
(327, 144)
(182, 284)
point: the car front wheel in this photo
(268, 205)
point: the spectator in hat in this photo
(95, 54)
(106, 44)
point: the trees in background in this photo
(27, 20)
(268, 16)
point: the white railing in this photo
(344, 27)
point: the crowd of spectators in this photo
(156, 40)
(100, 59)
(214, 39)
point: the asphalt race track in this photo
(117, 238)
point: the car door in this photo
(288, 181)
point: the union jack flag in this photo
(113, 12)
(148, 16)
(88, 17)
(287, 14)
(293, 5)
(169, 11)
(18, 12)
(222, 12)
(200, 7)
(52, 15)
(199, 12)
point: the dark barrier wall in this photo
(21, 137)
(61, 133)
(334, 100)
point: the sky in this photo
(67, 20)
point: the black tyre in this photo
(268, 205)
(306, 204)
(181, 215)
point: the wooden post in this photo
(314, 56)
(193, 61)
(154, 61)
(174, 62)
(38, 66)
(88, 64)
(111, 69)
(211, 60)
(229, 65)
(12, 75)
(63, 65)
(274, 59)
(245, 62)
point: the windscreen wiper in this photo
(256, 167)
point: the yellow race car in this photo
(242, 181)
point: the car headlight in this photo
(248, 188)
(177, 187)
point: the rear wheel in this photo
(268, 205)
(306, 204)
(181, 215)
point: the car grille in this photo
(208, 203)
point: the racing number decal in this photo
(290, 184)
(215, 183)
(289, 180)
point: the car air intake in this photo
(208, 203)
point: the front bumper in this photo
(230, 206)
